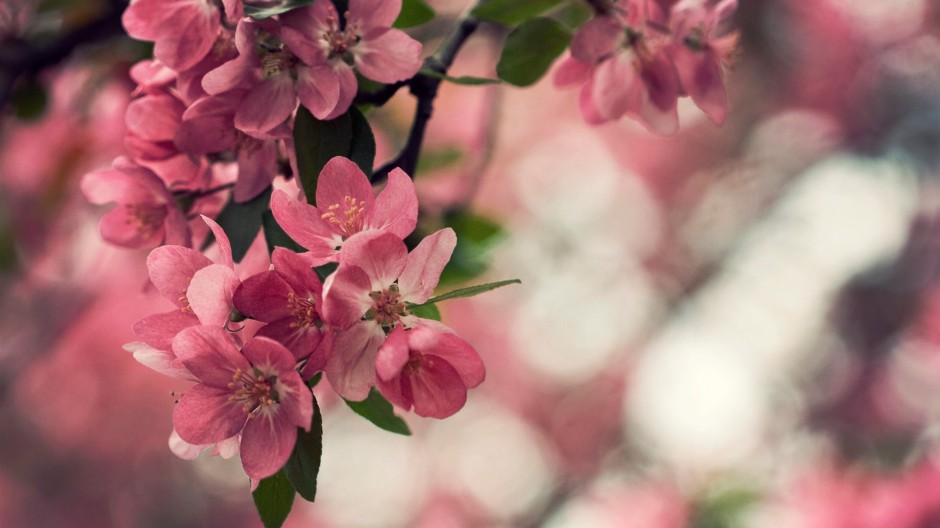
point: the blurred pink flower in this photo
(346, 207)
(428, 369)
(257, 393)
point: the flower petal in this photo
(351, 368)
(396, 207)
(206, 415)
(424, 264)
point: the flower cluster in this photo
(636, 60)
(356, 326)
(219, 98)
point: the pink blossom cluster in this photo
(356, 326)
(636, 59)
(217, 101)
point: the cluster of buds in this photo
(635, 59)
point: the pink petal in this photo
(318, 89)
(257, 167)
(348, 87)
(388, 56)
(154, 117)
(158, 330)
(210, 294)
(616, 87)
(368, 14)
(424, 265)
(267, 105)
(297, 270)
(269, 356)
(221, 240)
(160, 360)
(392, 355)
(115, 185)
(176, 228)
(299, 25)
(123, 226)
(263, 297)
(382, 256)
(596, 39)
(302, 341)
(209, 353)
(302, 223)
(452, 349)
(351, 368)
(657, 108)
(346, 296)
(206, 415)
(184, 449)
(572, 72)
(172, 268)
(267, 443)
(700, 75)
(342, 179)
(396, 207)
(435, 388)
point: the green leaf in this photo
(413, 13)
(476, 235)
(464, 80)
(434, 159)
(469, 291)
(362, 144)
(378, 410)
(325, 270)
(304, 463)
(426, 311)
(273, 499)
(574, 14)
(315, 380)
(317, 141)
(275, 236)
(265, 9)
(531, 49)
(512, 12)
(29, 100)
(241, 222)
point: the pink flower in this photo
(624, 61)
(288, 298)
(367, 41)
(256, 393)
(369, 295)
(702, 52)
(202, 292)
(427, 369)
(146, 215)
(346, 207)
(152, 123)
(183, 31)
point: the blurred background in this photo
(736, 326)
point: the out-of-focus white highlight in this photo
(700, 395)
(883, 21)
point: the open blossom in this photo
(146, 215)
(256, 393)
(369, 295)
(201, 291)
(346, 206)
(428, 369)
(289, 298)
(183, 31)
(366, 41)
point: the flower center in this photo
(338, 41)
(274, 62)
(145, 219)
(254, 391)
(304, 310)
(347, 217)
(387, 306)
(416, 362)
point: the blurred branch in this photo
(19, 58)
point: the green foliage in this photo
(465, 80)
(317, 141)
(29, 100)
(413, 13)
(325, 270)
(439, 158)
(531, 49)
(275, 236)
(378, 410)
(304, 463)
(264, 12)
(725, 508)
(475, 236)
(426, 311)
(241, 222)
(512, 12)
(273, 499)
(469, 291)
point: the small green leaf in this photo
(315, 380)
(413, 13)
(29, 100)
(464, 80)
(264, 9)
(362, 144)
(275, 236)
(476, 235)
(426, 311)
(469, 291)
(512, 12)
(378, 410)
(434, 159)
(531, 49)
(241, 222)
(273, 499)
(574, 14)
(304, 463)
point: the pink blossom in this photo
(183, 31)
(256, 393)
(702, 52)
(289, 298)
(367, 41)
(146, 215)
(152, 123)
(369, 294)
(427, 369)
(346, 207)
